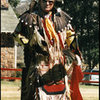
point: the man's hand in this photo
(77, 60)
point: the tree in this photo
(14, 3)
(85, 21)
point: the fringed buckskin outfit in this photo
(46, 39)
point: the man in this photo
(49, 42)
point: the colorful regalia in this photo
(50, 46)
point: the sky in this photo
(23, 0)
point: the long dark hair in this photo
(33, 5)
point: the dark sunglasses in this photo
(50, 2)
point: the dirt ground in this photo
(90, 92)
(10, 91)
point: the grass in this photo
(11, 91)
(89, 92)
(8, 83)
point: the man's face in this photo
(47, 5)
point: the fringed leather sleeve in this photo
(25, 28)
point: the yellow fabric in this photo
(25, 41)
(21, 39)
(70, 38)
(51, 30)
(74, 45)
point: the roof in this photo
(9, 20)
(22, 7)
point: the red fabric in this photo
(54, 88)
(47, 33)
(77, 76)
(62, 45)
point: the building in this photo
(8, 47)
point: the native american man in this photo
(51, 52)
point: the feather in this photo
(68, 53)
(61, 20)
(32, 5)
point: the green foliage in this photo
(19, 66)
(19, 74)
(14, 3)
(85, 14)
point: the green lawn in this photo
(12, 83)
(11, 91)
